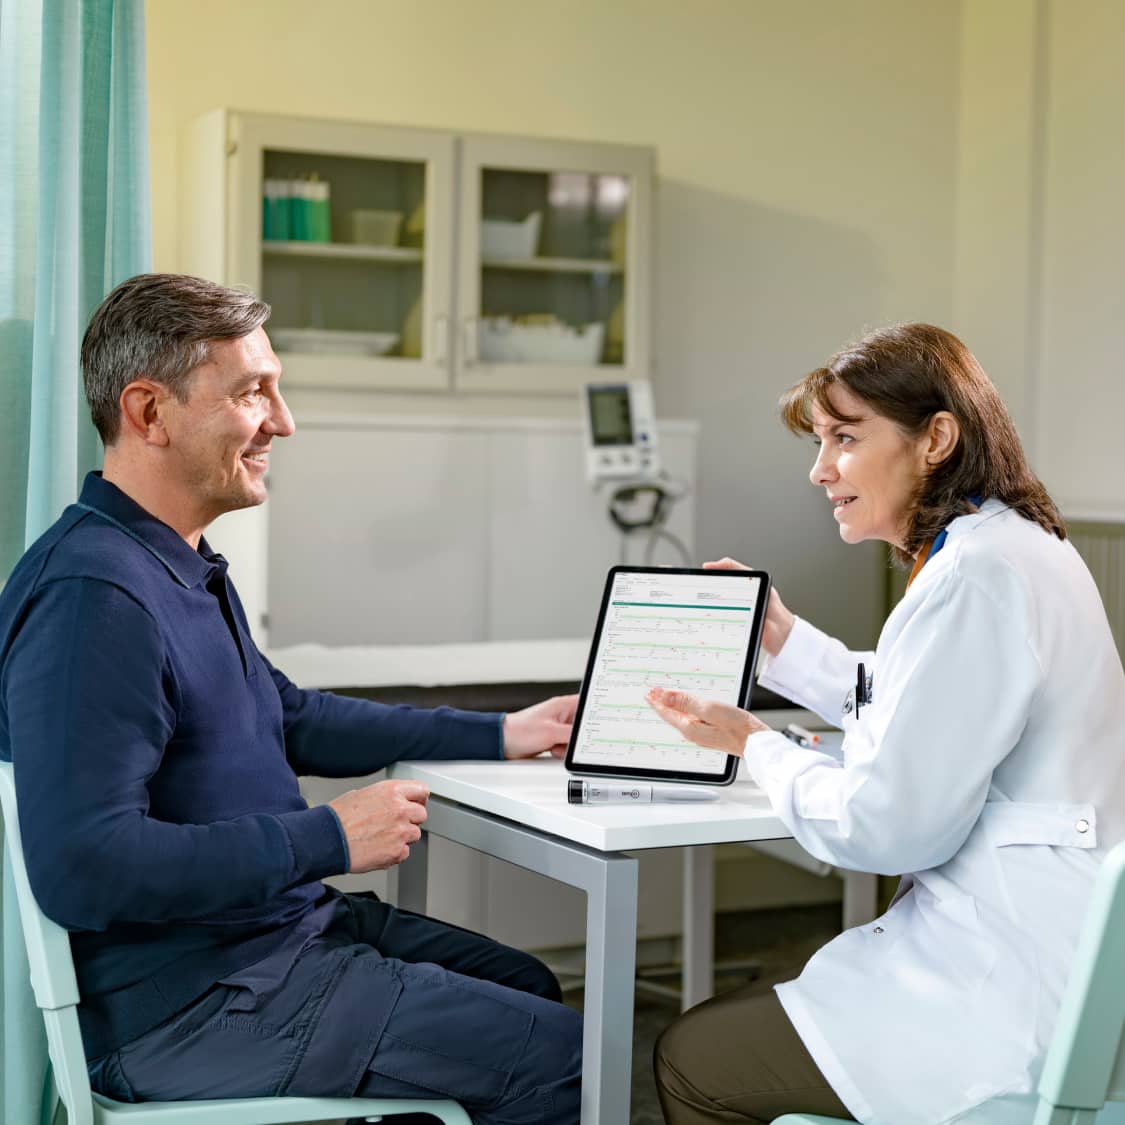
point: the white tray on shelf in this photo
(324, 341)
(505, 341)
(500, 238)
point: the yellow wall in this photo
(1078, 385)
(838, 111)
(1038, 290)
(994, 279)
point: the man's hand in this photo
(707, 723)
(545, 726)
(381, 821)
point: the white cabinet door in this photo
(554, 263)
(545, 287)
(361, 299)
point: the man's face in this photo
(220, 437)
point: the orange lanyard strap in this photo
(934, 545)
(919, 562)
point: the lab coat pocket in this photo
(1042, 865)
(985, 1007)
(954, 945)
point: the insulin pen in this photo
(800, 736)
(595, 793)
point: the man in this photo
(156, 754)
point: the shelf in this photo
(398, 255)
(552, 265)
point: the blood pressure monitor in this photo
(620, 428)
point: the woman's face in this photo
(869, 469)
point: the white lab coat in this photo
(989, 769)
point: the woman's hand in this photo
(779, 621)
(712, 725)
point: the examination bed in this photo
(479, 676)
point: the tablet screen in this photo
(697, 630)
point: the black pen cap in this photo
(574, 790)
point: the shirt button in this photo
(1083, 826)
(878, 929)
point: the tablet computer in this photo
(698, 630)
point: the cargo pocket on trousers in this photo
(106, 1077)
(454, 1037)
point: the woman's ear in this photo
(943, 432)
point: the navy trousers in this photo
(383, 1003)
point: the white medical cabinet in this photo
(417, 259)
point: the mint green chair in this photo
(1085, 1065)
(56, 995)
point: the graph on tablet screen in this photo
(686, 631)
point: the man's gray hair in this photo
(158, 326)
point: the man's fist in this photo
(381, 821)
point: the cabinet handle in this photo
(441, 339)
(470, 341)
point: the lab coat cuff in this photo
(317, 841)
(762, 751)
(789, 669)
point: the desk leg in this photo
(611, 962)
(698, 982)
(609, 880)
(407, 882)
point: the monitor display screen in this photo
(611, 421)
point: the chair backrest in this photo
(1085, 1065)
(52, 971)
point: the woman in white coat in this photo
(986, 767)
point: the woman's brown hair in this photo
(907, 374)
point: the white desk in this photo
(517, 811)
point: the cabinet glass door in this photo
(342, 244)
(552, 285)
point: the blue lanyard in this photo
(939, 539)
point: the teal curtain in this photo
(74, 221)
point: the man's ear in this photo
(143, 404)
(944, 432)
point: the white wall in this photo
(807, 172)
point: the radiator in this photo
(1102, 545)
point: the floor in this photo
(779, 940)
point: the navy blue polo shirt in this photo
(156, 755)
